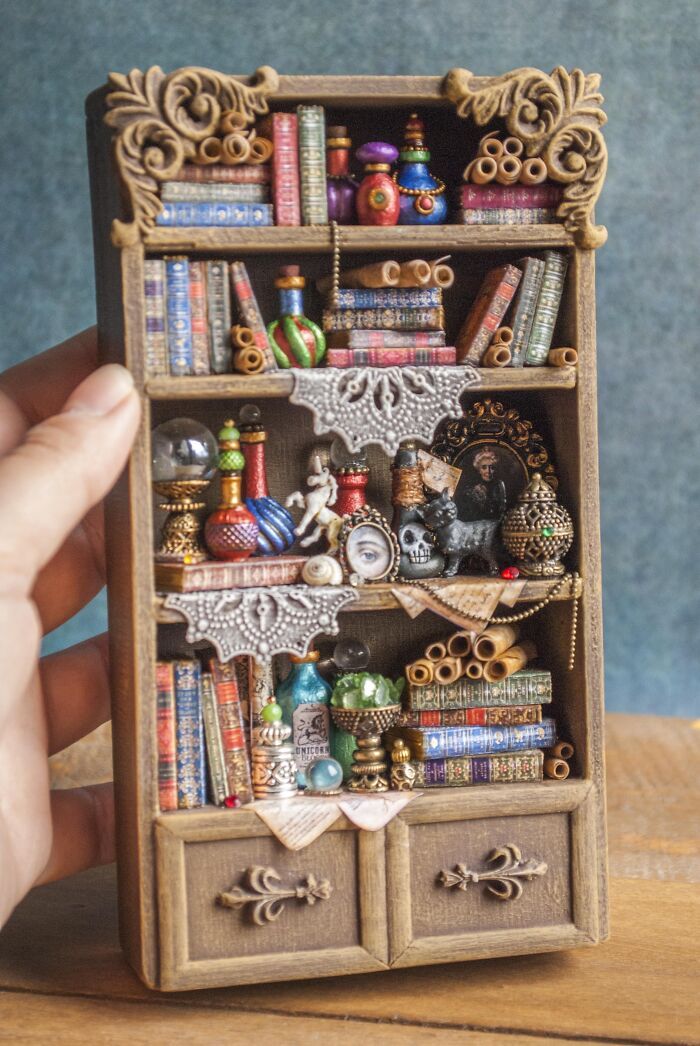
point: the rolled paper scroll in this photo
(378, 274)
(249, 361)
(414, 273)
(209, 151)
(533, 172)
(242, 337)
(497, 356)
(459, 644)
(436, 651)
(482, 170)
(511, 660)
(565, 357)
(508, 170)
(490, 146)
(556, 768)
(441, 275)
(494, 640)
(503, 336)
(512, 146)
(235, 148)
(448, 670)
(261, 149)
(231, 121)
(420, 672)
(562, 750)
(473, 668)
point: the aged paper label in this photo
(297, 822)
(373, 812)
(467, 602)
(438, 474)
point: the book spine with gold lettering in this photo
(165, 726)
(189, 734)
(508, 768)
(236, 762)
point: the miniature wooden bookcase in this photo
(392, 903)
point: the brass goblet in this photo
(369, 765)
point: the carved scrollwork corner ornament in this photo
(505, 880)
(265, 897)
(558, 118)
(161, 119)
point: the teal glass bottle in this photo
(305, 697)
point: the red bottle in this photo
(231, 532)
(378, 200)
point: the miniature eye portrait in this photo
(369, 552)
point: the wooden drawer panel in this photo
(476, 875)
(237, 906)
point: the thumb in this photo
(65, 465)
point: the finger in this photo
(14, 424)
(75, 574)
(83, 831)
(38, 387)
(64, 467)
(75, 684)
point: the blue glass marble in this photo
(324, 775)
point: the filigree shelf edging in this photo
(365, 405)
(558, 117)
(261, 621)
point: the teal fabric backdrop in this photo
(53, 54)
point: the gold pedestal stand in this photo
(369, 765)
(179, 540)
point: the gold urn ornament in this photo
(538, 531)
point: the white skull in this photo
(416, 542)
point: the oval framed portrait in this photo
(368, 548)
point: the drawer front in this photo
(244, 909)
(462, 885)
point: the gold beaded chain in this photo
(405, 191)
(335, 239)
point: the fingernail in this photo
(101, 392)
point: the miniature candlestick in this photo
(295, 339)
(231, 532)
(422, 195)
(377, 198)
(341, 187)
(275, 524)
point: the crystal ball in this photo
(341, 457)
(324, 774)
(351, 655)
(182, 449)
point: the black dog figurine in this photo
(457, 539)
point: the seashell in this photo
(322, 570)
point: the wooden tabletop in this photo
(63, 980)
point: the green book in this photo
(522, 312)
(547, 308)
(311, 122)
(529, 686)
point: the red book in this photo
(486, 313)
(250, 311)
(232, 732)
(490, 196)
(507, 715)
(165, 724)
(401, 357)
(240, 174)
(282, 129)
(198, 318)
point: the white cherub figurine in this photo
(324, 492)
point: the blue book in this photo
(178, 316)
(390, 297)
(221, 214)
(189, 735)
(447, 742)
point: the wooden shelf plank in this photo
(381, 597)
(278, 384)
(317, 238)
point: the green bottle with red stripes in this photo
(295, 339)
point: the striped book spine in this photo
(250, 311)
(448, 742)
(390, 297)
(485, 315)
(374, 339)
(177, 311)
(240, 174)
(529, 686)
(492, 196)
(514, 715)
(154, 302)
(522, 311)
(223, 215)
(282, 129)
(509, 768)
(219, 317)
(312, 164)
(405, 357)
(222, 192)
(236, 761)
(198, 318)
(189, 733)
(165, 725)
(215, 750)
(508, 216)
(383, 319)
(547, 308)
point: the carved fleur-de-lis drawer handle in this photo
(504, 880)
(263, 892)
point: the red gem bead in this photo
(426, 204)
(232, 802)
(510, 573)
